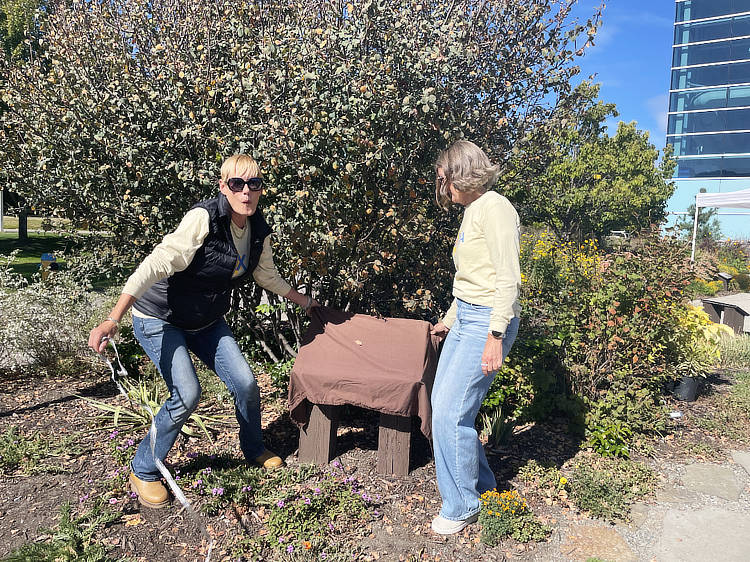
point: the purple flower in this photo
(290, 549)
(336, 464)
(307, 501)
(281, 539)
(83, 498)
(130, 442)
(280, 503)
(207, 470)
(112, 500)
(323, 556)
(133, 495)
(113, 434)
(317, 491)
(192, 455)
(247, 488)
(331, 527)
(217, 491)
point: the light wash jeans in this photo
(463, 473)
(168, 347)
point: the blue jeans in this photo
(463, 473)
(168, 347)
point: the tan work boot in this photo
(150, 494)
(269, 460)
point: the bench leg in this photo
(317, 442)
(394, 443)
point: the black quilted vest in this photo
(199, 295)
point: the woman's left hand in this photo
(492, 358)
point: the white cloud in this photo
(646, 18)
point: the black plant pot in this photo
(686, 388)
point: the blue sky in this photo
(631, 59)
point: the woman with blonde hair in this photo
(179, 294)
(481, 326)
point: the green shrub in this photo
(506, 514)
(280, 373)
(607, 487)
(43, 322)
(610, 438)
(703, 288)
(346, 126)
(742, 280)
(619, 325)
(733, 256)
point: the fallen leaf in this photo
(133, 519)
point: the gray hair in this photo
(467, 167)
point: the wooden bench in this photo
(317, 440)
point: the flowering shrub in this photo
(506, 514)
(42, 322)
(601, 336)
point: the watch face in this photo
(498, 335)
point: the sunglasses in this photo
(238, 184)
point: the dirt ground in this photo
(55, 407)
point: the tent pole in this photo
(695, 229)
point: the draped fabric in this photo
(383, 364)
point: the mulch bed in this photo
(401, 531)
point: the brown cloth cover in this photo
(386, 365)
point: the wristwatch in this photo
(497, 335)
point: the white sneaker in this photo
(443, 526)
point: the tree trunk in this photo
(23, 229)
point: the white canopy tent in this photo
(733, 199)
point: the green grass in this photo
(32, 223)
(28, 260)
(735, 352)
(730, 416)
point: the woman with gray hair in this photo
(481, 326)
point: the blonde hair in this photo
(239, 165)
(467, 167)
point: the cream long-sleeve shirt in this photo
(486, 256)
(175, 252)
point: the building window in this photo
(726, 167)
(736, 49)
(699, 9)
(711, 30)
(707, 121)
(714, 75)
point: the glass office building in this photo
(709, 103)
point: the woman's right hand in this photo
(99, 335)
(440, 330)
